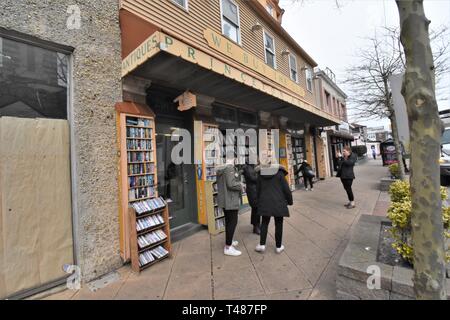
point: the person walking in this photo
(251, 179)
(229, 188)
(308, 174)
(374, 154)
(346, 163)
(274, 196)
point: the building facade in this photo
(60, 77)
(332, 99)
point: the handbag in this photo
(310, 173)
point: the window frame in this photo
(50, 46)
(265, 33)
(222, 17)
(309, 70)
(296, 80)
(186, 7)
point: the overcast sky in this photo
(331, 36)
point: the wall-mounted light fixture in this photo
(257, 26)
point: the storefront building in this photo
(94, 94)
(60, 77)
(332, 99)
(206, 67)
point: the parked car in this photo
(444, 161)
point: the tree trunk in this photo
(425, 135)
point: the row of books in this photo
(142, 156)
(140, 193)
(150, 255)
(149, 205)
(139, 144)
(151, 238)
(141, 181)
(139, 133)
(149, 222)
(220, 223)
(141, 168)
(210, 171)
(141, 122)
(218, 212)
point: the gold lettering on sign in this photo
(235, 52)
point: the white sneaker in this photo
(311, 189)
(280, 249)
(231, 251)
(235, 243)
(307, 189)
(260, 248)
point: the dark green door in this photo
(176, 183)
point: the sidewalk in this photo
(315, 236)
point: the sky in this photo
(332, 35)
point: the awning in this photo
(341, 134)
(170, 62)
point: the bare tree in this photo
(425, 133)
(370, 96)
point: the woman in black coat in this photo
(274, 196)
(346, 173)
(251, 179)
(306, 171)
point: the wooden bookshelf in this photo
(216, 218)
(138, 169)
(290, 162)
(154, 242)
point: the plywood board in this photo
(35, 191)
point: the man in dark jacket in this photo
(308, 174)
(346, 163)
(274, 196)
(251, 178)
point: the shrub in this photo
(399, 213)
(394, 169)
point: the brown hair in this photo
(349, 149)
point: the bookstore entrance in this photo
(176, 182)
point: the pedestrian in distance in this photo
(229, 188)
(346, 163)
(274, 196)
(374, 154)
(251, 179)
(308, 175)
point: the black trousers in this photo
(255, 218)
(306, 180)
(231, 220)
(278, 230)
(347, 183)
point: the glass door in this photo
(175, 181)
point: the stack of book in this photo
(149, 205)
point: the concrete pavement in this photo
(314, 236)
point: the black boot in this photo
(256, 229)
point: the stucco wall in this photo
(96, 88)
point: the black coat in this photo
(304, 167)
(251, 179)
(273, 191)
(345, 167)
